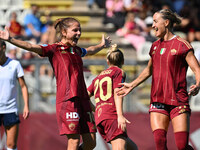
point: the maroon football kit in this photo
(169, 67)
(102, 88)
(71, 89)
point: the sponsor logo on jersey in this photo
(72, 126)
(162, 51)
(72, 116)
(173, 51)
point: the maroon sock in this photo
(181, 139)
(160, 139)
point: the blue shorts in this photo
(9, 119)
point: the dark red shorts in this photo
(169, 110)
(74, 116)
(109, 130)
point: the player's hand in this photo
(122, 122)
(26, 113)
(125, 89)
(194, 90)
(4, 35)
(106, 41)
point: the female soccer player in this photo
(109, 117)
(170, 57)
(11, 72)
(72, 101)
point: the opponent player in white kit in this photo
(10, 72)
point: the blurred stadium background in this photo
(40, 131)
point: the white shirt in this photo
(9, 73)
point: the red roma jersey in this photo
(102, 88)
(68, 69)
(169, 84)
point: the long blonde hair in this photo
(115, 56)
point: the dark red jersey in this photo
(68, 69)
(169, 84)
(102, 88)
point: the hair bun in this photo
(113, 47)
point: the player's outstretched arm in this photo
(128, 87)
(105, 43)
(4, 35)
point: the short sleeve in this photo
(117, 78)
(84, 52)
(151, 50)
(20, 71)
(47, 50)
(186, 47)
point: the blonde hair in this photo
(115, 56)
(173, 17)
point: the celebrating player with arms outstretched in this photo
(72, 101)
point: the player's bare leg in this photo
(73, 141)
(89, 141)
(12, 134)
(119, 143)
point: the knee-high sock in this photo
(181, 139)
(160, 139)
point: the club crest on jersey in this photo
(72, 126)
(173, 51)
(162, 51)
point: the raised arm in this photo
(4, 35)
(128, 87)
(194, 65)
(105, 42)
